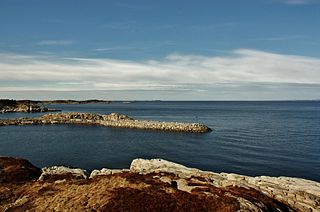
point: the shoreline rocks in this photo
(299, 194)
(162, 184)
(22, 106)
(112, 120)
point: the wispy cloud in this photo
(214, 26)
(109, 49)
(119, 26)
(133, 5)
(135, 26)
(106, 49)
(137, 46)
(55, 42)
(299, 2)
(173, 73)
(282, 38)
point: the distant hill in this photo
(91, 101)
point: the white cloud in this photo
(175, 72)
(108, 49)
(55, 42)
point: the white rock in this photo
(106, 171)
(60, 170)
(159, 165)
(289, 190)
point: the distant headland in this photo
(90, 101)
(22, 106)
(32, 106)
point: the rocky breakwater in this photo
(111, 120)
(149, 185)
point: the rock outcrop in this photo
(153, 185)
(299, 194)
(17, 170)
(23, 106)
(111, 120)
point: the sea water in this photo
(275, 138)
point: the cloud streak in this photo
(282, 38)
(194, 73)
(299, 2)
(55, 42)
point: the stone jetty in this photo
(149, 185)
(110, 120)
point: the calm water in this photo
(251, 138)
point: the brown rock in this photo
(158, 186)
(15, 170)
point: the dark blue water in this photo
(251, 138)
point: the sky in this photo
(160, 50)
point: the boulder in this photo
(117, 117)
(106, 171)
(55, 173)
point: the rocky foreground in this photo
(111, 120)
(149, 185)
(22, 106)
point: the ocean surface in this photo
(280, 138)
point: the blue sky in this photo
(170, 49)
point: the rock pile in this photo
(111, 120)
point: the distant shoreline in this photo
(33, 106)
(91, 101)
